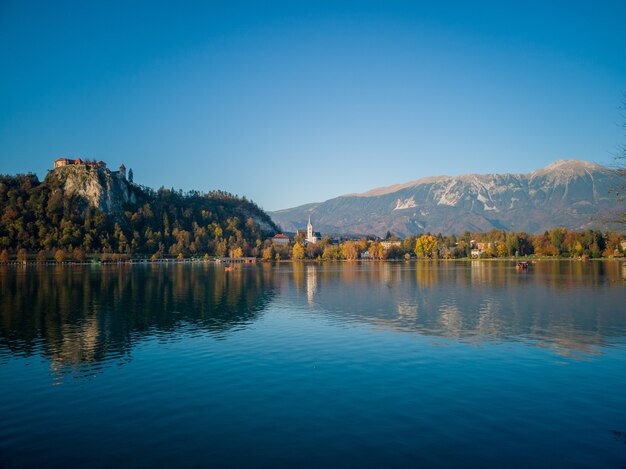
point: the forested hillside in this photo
(48, 219)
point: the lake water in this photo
(346, 364)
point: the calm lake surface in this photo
(346, 364)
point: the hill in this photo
(86, 208)
(569, 193)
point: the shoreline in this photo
(301, 261)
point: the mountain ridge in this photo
(570, 193)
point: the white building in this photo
(311, 236)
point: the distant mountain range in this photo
(570, 193)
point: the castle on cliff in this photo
(101, 165)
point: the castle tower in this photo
(123, 170)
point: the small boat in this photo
(522, 265)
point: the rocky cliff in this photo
(106, 190)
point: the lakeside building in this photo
(280, 240)
(479, 248)
(390, 244)
(310, 236)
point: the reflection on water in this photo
(82, 315)
(347, 364)
(573, 307)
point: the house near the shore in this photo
(479, 249)
(390, 244)
(280, 240)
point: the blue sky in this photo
(296, 102)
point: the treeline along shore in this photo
(556, 243)
(43, 221)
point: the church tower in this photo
(309, 230)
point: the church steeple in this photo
(309, 229)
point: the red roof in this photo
(62, 159)
(122, 166)
(280, 235)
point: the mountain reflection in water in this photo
(570, 306)
(81, 316)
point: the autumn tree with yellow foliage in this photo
(298, 252)
(426, 247)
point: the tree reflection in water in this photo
(573, 307)
(81, 316)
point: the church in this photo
(311, 236)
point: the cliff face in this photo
(105, 190)
(574, 194)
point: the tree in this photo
(376, 250)
(79, 255)
(59, 256)
(349, 250)
(501, 250)
(331, 252)
(22, 257)
(130, 175)
(298, 252)
(4, 256)
(426, 247)
(268, 253)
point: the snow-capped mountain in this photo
(569, 193)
